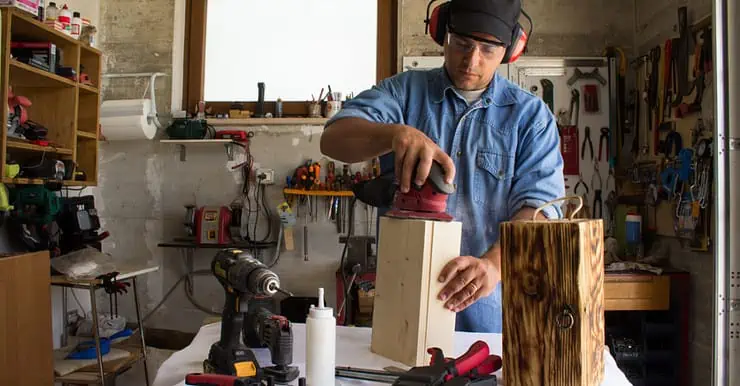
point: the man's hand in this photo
(414, 151)
(468, 279)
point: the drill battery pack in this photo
(238, 361)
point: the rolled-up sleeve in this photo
(381, 103)
(538, 176)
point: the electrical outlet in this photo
(269, 176)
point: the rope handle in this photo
(580, 205)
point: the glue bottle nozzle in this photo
(321, 298)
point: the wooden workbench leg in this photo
(96, 334)
(141, 330)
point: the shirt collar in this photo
(497, 93)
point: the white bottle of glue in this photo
(321, 327)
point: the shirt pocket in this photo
(493, 176)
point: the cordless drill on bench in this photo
(243, 278)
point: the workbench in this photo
(353, 349)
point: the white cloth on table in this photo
(353, 349)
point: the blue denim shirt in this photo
(506, 149)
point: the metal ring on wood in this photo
(565, 320)
(545, 205)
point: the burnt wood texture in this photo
(553, 302)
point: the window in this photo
(295, 48)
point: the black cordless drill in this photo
(243, 278)
(265, 329)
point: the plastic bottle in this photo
(76, 25)
(321, 338)
(65, 17)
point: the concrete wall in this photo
(656, 21)
(561, 27)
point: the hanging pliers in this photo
(587, 138)
(602, 139)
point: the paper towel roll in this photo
(122, 120)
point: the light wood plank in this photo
(407, 317)
(26, 342)
(637, 293)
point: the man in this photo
(497, 142)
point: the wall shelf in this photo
(69, 110)
(25, 75)
(327, 193)
(21, 144)
(182, 144)
(267, 121)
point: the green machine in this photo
(35, 204)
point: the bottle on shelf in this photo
(52, 12)
(76, 25)
(65, 17)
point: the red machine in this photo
(426, 202)
(212, 225)
(234, 135)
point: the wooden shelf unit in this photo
(68, 109)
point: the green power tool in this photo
(35, 204)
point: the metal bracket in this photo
(229, 151)
(734, 143)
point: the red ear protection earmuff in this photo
(518, 46)
(436, 27)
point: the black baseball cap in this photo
(493, 17)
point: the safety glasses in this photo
(467, 45)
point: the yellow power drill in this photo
(243, 277)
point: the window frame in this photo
(195, 48)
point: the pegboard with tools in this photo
(668, 168)
(577, 92)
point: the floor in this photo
(135, 376)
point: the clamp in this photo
(113, 288)
(587, 137)
(604, 138)
(475, 367)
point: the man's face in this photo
(471, 63)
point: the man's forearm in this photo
(353, 140)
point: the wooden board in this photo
(637, 292)
(552, 269)
(407, 317)
(26, 342)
